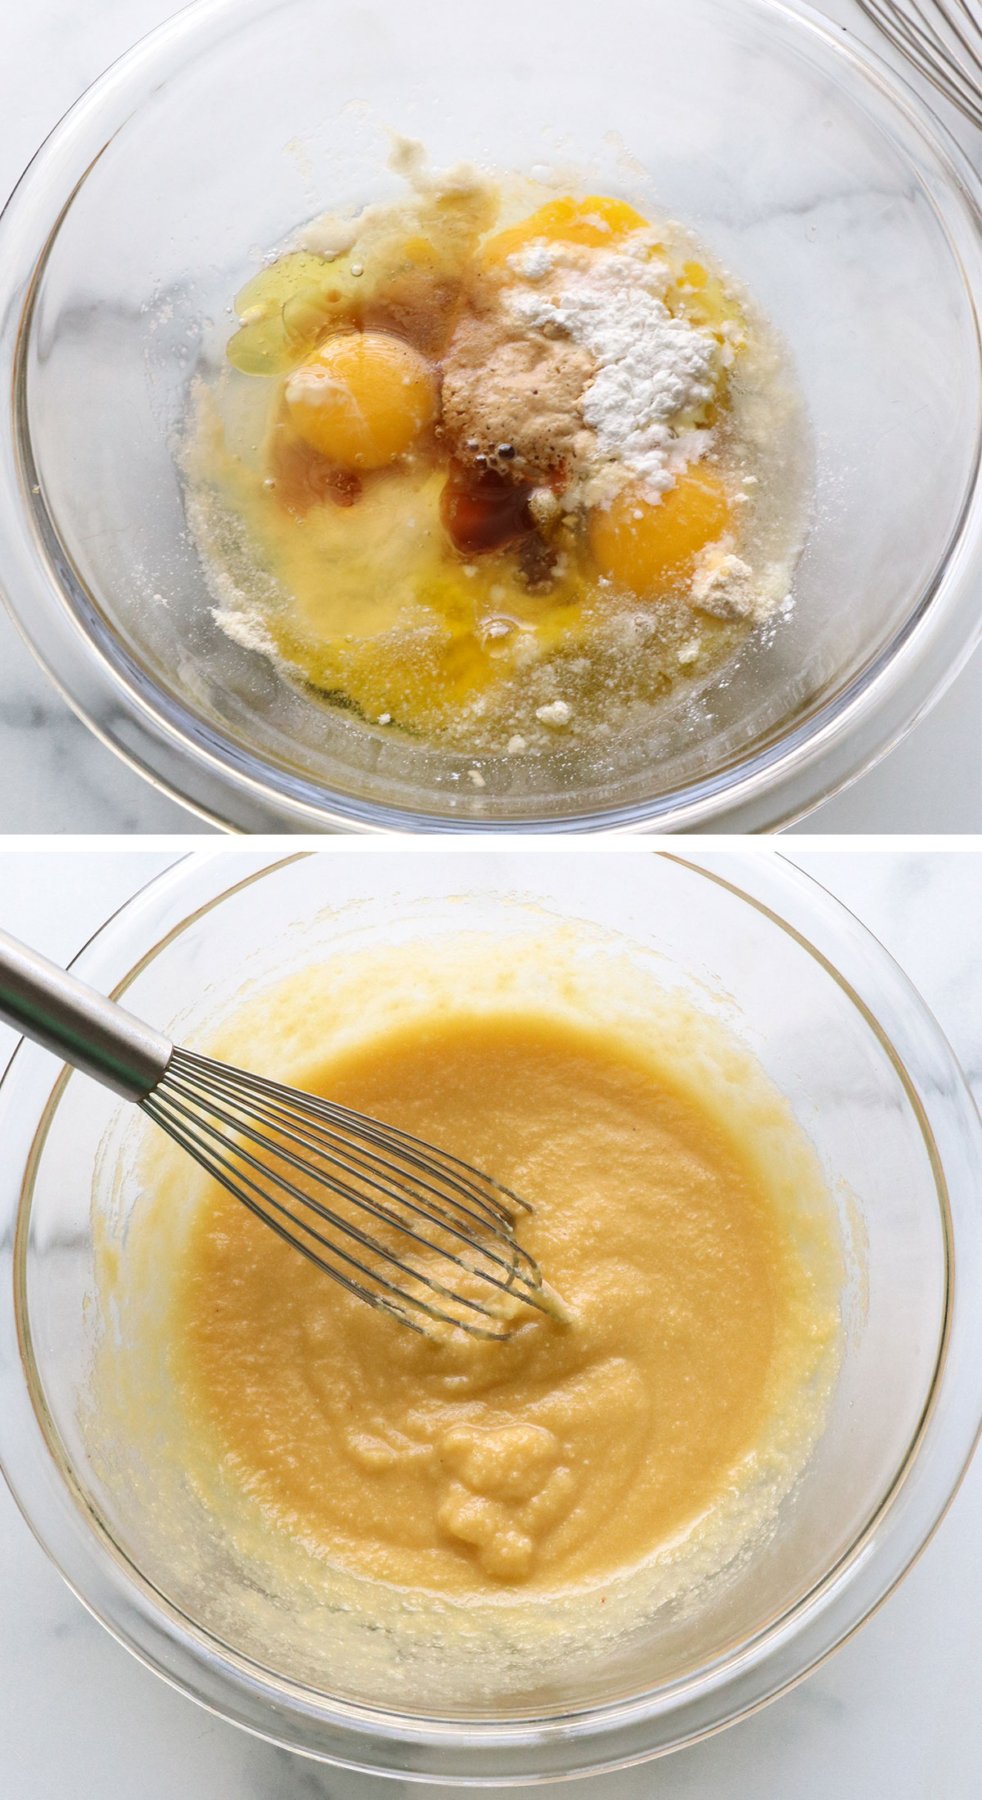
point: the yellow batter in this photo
(573, 1451)
(450, 1524)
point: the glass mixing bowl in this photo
(873, 1082)
(802, 162)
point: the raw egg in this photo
(598, 222)
(362, 398)
(647, 547)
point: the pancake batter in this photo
(447, 1524)
(572, 1451)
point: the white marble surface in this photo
(894, 1714)
(58, 778)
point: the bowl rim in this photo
(209, 773)
(585, 1739)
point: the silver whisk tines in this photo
(407, 1228)
(943, 41)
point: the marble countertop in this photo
(59, 778)
(894, 1713)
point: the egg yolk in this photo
(362, 398)
(597, 222)
(647, 547)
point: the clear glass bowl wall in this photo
(802, 169)
(871, 1080)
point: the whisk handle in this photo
(89, 1031)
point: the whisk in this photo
(943, 40)
(404, 1226)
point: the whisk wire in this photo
(326, 1140)
(973, 50)
(255, 1136)
(937, 57)
(241, 1123)
(410, 1229)
(518, 1265)
(222, 1170)
(183, 1126)
(192, 1124)
(943, 41)
(490, 1196)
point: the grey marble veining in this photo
(894, 1715)
(59, 778)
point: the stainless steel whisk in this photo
(404, 1226)
(943, 40)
